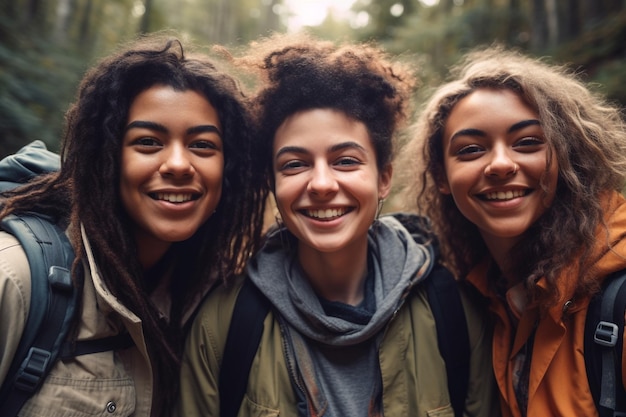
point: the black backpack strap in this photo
(52, 306)
(242, 342)
(71, 349)
(604, 335)
(452, 334)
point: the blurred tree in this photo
(45, 46)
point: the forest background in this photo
(46, 45)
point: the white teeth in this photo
(326, 213)
(173, 197)
(504, 195)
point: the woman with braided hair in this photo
(157, 193)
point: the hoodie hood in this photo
(398, 263)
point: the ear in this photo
(444, 188)
(384, 181)
(442, 182)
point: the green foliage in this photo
(35, 78)
(44, 50)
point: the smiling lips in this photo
(504, 195)
(326, 214)
(174, 197)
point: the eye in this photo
(469, 150)
(147, 142)
(292, 166)
(347, 161)
(529, 144)
(205, 145)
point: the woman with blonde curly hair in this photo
(522, 168)
(350, 330)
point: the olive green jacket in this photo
(413, 372)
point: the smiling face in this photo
(172, 165)
(495, 156)
(327, 184)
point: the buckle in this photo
(33, 369)
(60, 278)
(606, 334)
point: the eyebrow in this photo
(523, 124)
(161, 128)
(334, 148)
(515, 127)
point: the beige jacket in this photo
(102, 384)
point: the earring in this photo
(279, 221)
(381, 202)
(283, 234)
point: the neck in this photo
(336, 276)
(500, 251)
(150, 251)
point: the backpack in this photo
(31, 160)
(251, 308)
(53, 299)
(604, 335)
(53, 302)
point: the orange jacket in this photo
(558, 384)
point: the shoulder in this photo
(419, 226)
(14, 297)
(14, 269)
(215, 313)
(453, 303)
(475, 306)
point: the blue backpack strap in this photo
(452, 333)
(604, 335)
(242, 343)
(52, 306)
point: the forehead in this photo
(489, 106)
(320, 129)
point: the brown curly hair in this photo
(86, 191)
(299, 72)
(586, 134)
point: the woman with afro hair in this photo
(350, 331)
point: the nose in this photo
(322, 181)
(177, 162)
(501, 165)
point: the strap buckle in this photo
(606, 334)
(33, 369)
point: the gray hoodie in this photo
(337, 359)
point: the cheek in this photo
(281, 193)
(456, 180)
(551, 182)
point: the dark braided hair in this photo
(88, 187)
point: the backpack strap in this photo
(52, 306)
(251, 308)
(604, 335)
(452, 334)
(242, 342)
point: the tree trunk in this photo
(144, 27)
(539, 29)
(552, 23)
